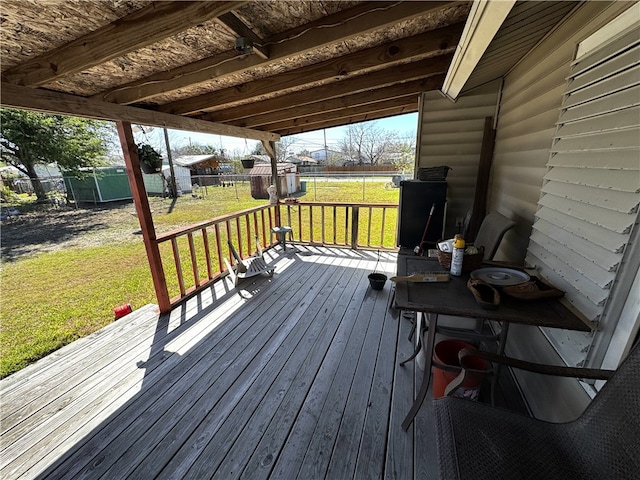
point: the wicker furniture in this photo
(478, 441)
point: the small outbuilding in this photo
(205, 169)
(156, 183)
(260, 178)
(99, 185)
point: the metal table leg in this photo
(426, 378)
(502, 343)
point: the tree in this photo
(197, 149)
(405, 154)
(366, 143)
(31, 138)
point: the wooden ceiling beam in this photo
(389, 76)
(346, 121)
(329, 30)
(27, 98)
(237, 26)
(407, 103)
(148, 25)
(410, 48)
(363, 98)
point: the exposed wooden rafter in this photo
(408, 103)
(325, 107)
(54, 102)
(326, 31)
(346, 121)
(407, 49)
(379, 79)
(143, 27)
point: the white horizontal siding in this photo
(451, 134)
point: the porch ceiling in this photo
(313, 64)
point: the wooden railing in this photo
(192, 257)
(354, 225)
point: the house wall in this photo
(451, 134)
(531, 97)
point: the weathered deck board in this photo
(296, 377)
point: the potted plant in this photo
(247, 162)
(150, 159)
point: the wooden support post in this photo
(355, 221)
(141, 203)
(482, 180)
(270, 147)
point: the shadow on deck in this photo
(293, 376)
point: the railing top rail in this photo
(223, 218)
(206, 223)
(344, 204)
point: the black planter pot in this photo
(377, 280)
(247, 162)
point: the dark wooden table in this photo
(453, 298)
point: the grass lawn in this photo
(64, 290)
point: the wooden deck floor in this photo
(294, 376)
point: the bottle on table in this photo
(457, 255)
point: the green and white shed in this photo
(100, 185)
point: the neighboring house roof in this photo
(282, 168)
(301, 159)
(192, 160)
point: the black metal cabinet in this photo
(416, 199)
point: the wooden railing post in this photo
(141, 203)
(355, 216)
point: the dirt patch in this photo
(48, 228)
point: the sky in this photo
(404, 125)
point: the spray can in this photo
(457, 256)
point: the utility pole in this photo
(173, 187)
(326, 151)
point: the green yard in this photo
(64, 271)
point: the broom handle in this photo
(426, 227)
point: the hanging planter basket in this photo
(247, 163)
(150, 159)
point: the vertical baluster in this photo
(271, 211)
(310, 223)
(335, 223)
(300, 223)
(239, 245)
(346, 225)
(323, 219)
(264, 232)
(194, 261)
(218, 246)
(355, 220)
(248, 229)
(178, 264)
(231, 259)
(369, 228)
(207, 253)
(384, 213)
(255, 222)
(289, 216)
